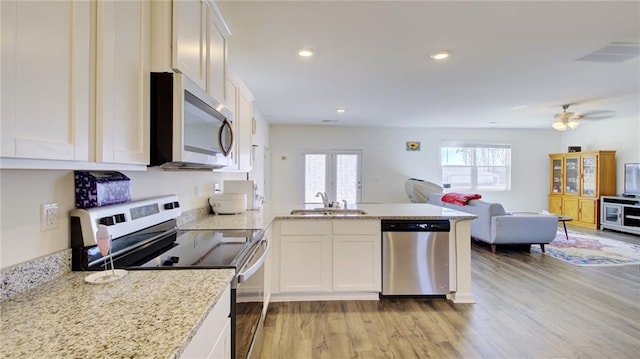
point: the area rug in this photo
(590, 250)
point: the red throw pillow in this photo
(459, 198)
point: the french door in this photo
(337, 173)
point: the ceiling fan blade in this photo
(598, 114)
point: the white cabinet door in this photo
(239, 100)
(222, 348)
(357, 256)
(213, 338)
(245, 119)
(46, 79)
(216, 58)
(122, 81)
(307, 263)
(356, 263)
(189, 40)
(305, 253)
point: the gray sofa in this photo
(495, 226)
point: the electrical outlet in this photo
(48, 216)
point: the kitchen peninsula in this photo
(366, 227)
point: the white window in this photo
(338, 173)
(471, 166)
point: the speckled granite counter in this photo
(261, 219)
(255, 219)
(151, 314)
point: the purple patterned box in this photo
(101, 188)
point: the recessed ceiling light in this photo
(340, 110)
(441, 55)
(305, 52)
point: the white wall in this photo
(387, 165)
(621, 135)
(22, 192)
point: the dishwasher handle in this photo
(430, 225)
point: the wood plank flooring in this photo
(528, 306)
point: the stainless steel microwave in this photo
(189, 129)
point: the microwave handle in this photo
(245, 274)
(226, 127)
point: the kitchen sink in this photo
(326, 212)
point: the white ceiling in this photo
(513, 62)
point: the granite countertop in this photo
(149, 313)
(261, 219)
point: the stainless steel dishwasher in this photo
(415, 257)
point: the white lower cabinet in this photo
(329, 256)
(213, 338)
(305, 256)
(357, 256)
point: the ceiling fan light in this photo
(559, 126)
(573, 124)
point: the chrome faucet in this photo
(344, 204)
(325, 201)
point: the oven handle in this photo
(245, 274)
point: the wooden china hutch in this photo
(577, 180)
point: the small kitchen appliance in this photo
(248, 187)
(144, 236)
(189, 129)
(228, 203)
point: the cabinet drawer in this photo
(356, 226)
(310, 227)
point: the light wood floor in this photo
(528, 306)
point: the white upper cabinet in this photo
(122, 81)
(190, 36)
(75, 84)
(189, 31)
(240, 102)
(46, 80)
(216, 54)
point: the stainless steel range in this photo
(145, 236)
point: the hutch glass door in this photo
(572, 175)
(556, 178)
(589, 176)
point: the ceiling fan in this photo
(566, 119)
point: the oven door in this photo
(250, 302)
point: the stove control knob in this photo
(176, 204)
(168, 205)
(170, 261)
(120, 218)
(107, 221)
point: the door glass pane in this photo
(347, 177)
(315, 177)
(557, 176)
(588, 176)
(572, 171)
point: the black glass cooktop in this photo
(206, 249)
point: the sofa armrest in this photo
(524, 228)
